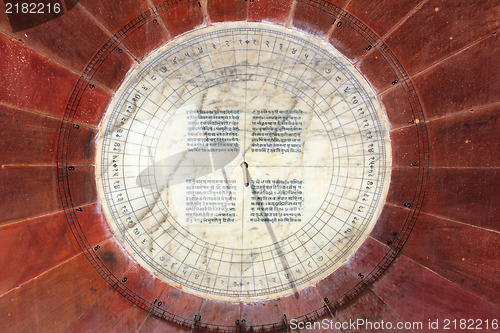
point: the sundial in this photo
(248, 166)
(243, 162)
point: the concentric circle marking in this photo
(172, 144)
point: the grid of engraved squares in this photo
(310, 231)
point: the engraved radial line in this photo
(295, 62)
(243, 188)
(209, 258)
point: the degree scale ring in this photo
(171, 145)
(154, 163)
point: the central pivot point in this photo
(244, 168)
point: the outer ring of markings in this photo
(274, 37)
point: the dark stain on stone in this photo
(109, 259)
(88, 143)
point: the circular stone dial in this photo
(243, 162)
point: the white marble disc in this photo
(170, 152)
